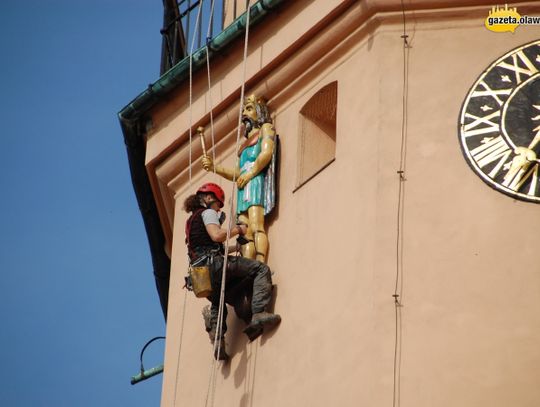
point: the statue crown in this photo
(254, 99)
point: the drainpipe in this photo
(136, 153)
(147, 374)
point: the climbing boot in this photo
(253, 331)
(259, 322)
(220, 353)
(206, 313)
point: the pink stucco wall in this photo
(470, 321)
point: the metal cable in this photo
(398, 288)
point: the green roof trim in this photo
(178, 73)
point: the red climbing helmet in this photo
(215, 189)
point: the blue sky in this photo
(77, 291)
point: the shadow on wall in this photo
(239, 346)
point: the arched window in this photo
(317, 133)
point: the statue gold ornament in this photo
(254, 175)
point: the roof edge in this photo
(178, 73)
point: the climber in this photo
(205, 238)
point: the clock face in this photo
(499, 124)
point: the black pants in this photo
(243, 277)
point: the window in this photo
(317, 133)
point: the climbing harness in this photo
(199, 278)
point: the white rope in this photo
(190, 183)
(210, 84)
(213, 366)
(190, 114)
(191, 88)
(213, 369)
(218, 335)
(210, 18)
(180, 345)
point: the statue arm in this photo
(227, 173)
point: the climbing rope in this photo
(190, 183)
(180, 345)
(218, 334)
(208, 39)
(398, 288)
(217, 341)
(197, 21)
(213, 367)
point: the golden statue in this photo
(254, 174)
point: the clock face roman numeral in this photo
(518, 70)
(492, 149)
(487, 91)
(473, 128)
(499, 124)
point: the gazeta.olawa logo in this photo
(507, 19)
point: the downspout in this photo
(136, 152)
(133, 119)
